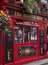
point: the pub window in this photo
(18, 34)
(34, 16)
(17, 13)
(45, 19)
(19, 21)
(44, 1)
(34, 23)
(41, 42)
(10, 11)
(27, 23)
(34, 34)
(26, 34)
(17, 0)
(44, 9)
(47, 30)
(10, 1)
(1, 39)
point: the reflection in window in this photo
(33, 34)
(26, 34)
(18, 34)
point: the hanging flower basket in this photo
(4, 21)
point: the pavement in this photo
(39, 62)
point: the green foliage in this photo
(30, 4)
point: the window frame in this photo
(29, 34)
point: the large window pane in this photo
(26, 34)
(33, 34)
(18, 34)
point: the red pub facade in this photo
(26, 39)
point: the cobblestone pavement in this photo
(40, 62)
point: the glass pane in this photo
(33, 34)
(17, 0)
(34, 23)
(17, 13)
(1, 40)
(10, 11)
(27, 23)
(27, 51)
(47, 39)
(44, 1)
(18, 34)
(19, 21)
(47, 30)
(26, 34)
(41, 42)
(11, 1)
